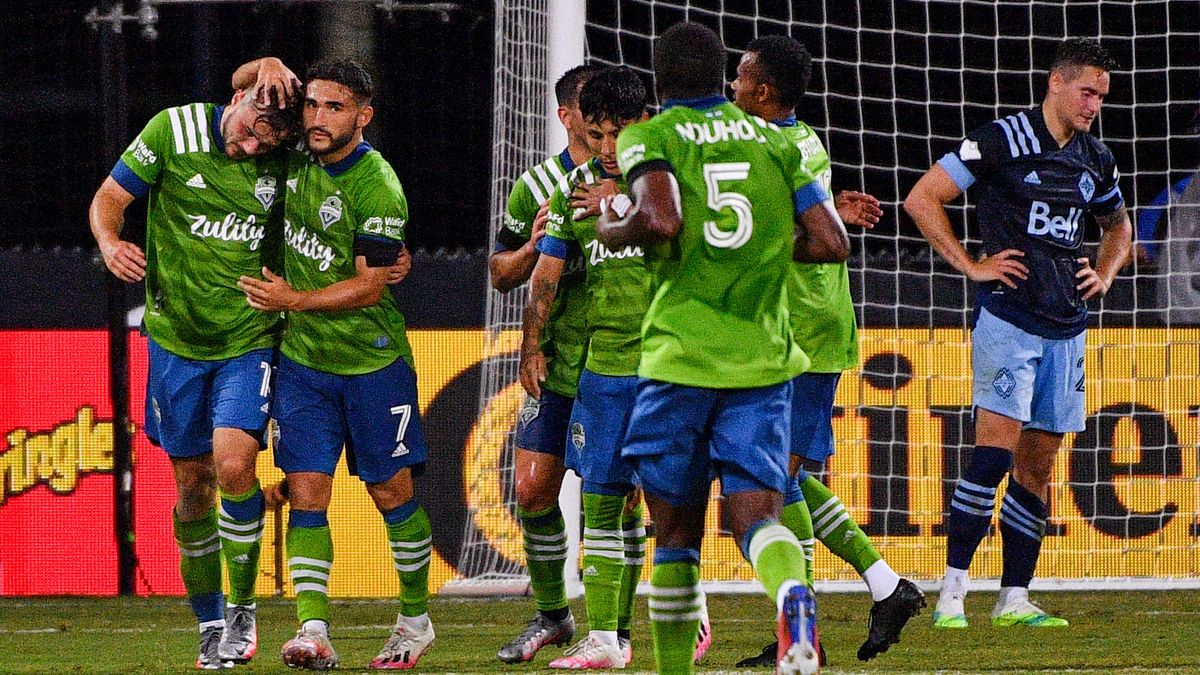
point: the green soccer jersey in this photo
(819, 293)
(563, 338)
(206, 225)
(718, 315)
(618, 287)
(328, 208)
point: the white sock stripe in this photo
(319, 588)
(301, 573)
(410, 555)
(198, 544)
(300, 560)
(242, 538)
(199, 553)
(673, 591)
(968, 498)
(545, 549)
(635, 561)
(975, 487)
(767, 535)
(548, 538)
(1010, 500)
(411, 545)
(546, 558)
(689, 603)
(235, 526)
(834, 525)
(635, 548)
(608, 544)
(818, 524)
(1011, 517)
(1022, 528)
(674, 618)
(412, 567)
(639, 532)
(955, 504)
(603, 553)
(829, 504)
(596, 532)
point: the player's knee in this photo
(197, 492)
(235, 474)
(535, 492)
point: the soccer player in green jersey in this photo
(212, 188)
(722, 203)
(345, 375)
(617, 294)
(772, 78)
(542, 423)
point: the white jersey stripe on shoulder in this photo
(544, 178)
(189, 127)
(1019, 133)
(532, 183)
(1012, 143)
(202, 123)
(554, 169)
(176, 129)
(588, 176)
(1033, 139)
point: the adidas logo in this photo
(197, 181)
(590, 571)
(242, 559)
(1032, 178)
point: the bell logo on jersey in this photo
(1087, 188)
(264, 191)
(330, 211)
(1060, 228)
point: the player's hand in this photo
(585, 200)
(533, 371)
(858, 208)
(397, 272)
(275, 82)
(125, 260)
(1091, 284)
(270, 294)
(1003, 267)
(538, 229)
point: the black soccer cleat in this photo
(888, 617)
(767, 658)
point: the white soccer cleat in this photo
(239, 643)
(950, 612)
(1020, 611)
(626, 646)
(210, 655)
(590, 653)
(539, 632)
(310, 650)
(703, 636)
(405, 647)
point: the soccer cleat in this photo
(797, 632)
(949, 612)
(405, 647)
(888, 617)
(626, 646)
(703, 637)
(240, 640)
(210, 654)
(767, 658)
(539, 632)
(1022, 612)
(590, 654)
(310, 650)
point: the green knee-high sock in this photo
(411, 540)
(240, 521)
(777, 557)
(795, 517)
(545, 537)
(674, 615)
(200, 565)
(310, 558)
(633, 530)
(603, 558)
(836, 529)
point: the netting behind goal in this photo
(895, 85)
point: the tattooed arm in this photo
(1115, 246)
(543, 284)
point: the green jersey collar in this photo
(699, 103)
(343, 165)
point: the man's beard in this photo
(336, 143)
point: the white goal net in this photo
(895, 84)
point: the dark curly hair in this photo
(786, 65)
(615, 94)
(347, 73)
(1074, 54)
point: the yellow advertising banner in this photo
(1125, 501)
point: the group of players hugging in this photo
(689, 319)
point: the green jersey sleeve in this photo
(518, 217)
(559, 217)
(381, 213)
(640, 144)
(146, 155)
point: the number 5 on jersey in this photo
(405, 413)
(714, 173)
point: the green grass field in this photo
(1110, 632)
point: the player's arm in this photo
(106, 217)
(820, 235)
(273, 293)
(543, 286)
(272, 80)
(652, 217)
(1116, 245)
(513, 261)
(926, 205)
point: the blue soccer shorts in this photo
(186, 398)
(679, 436)
(602, 409)
(375, 416)
(1028, 378)
(812, 415)
(542, 424)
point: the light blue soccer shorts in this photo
(1036, 380)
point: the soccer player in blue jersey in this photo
(1039, 173)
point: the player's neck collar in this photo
(343, 165)
(565, 158)
(215, 129)
(789, 121)
(699, 103)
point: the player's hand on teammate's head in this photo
(397, 272)
(276, 84)
(586, 198)
(125, 260)
(1091, 284)
(1003, 267)
(858, 208)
